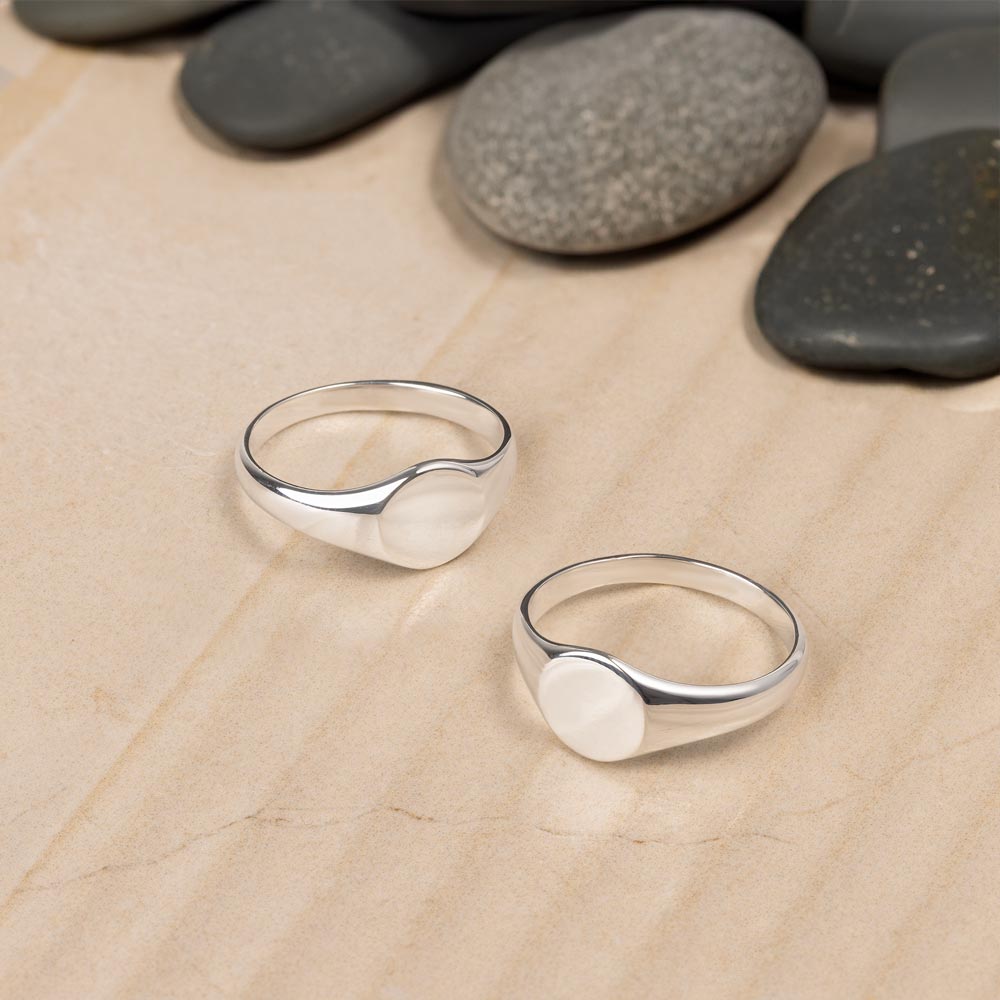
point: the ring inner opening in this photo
(709, 627)
(344, 438)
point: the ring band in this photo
(605, 709)
(425, 515)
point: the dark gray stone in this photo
(506, 8)
(622, 131)
(945, 83)
(856, 40)
(91, 21)
(894, 264)
(286, 75)
(786, 12)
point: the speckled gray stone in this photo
(895, 264)
(621, 131)
(92, 21)
(945, 83)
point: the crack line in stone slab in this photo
(263, 817)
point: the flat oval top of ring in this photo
(593, 710)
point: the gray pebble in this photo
(625, 130)
(945, 83)
(90, 21)
(856, 40)
(506, 8)
(286, 75)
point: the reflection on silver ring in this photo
(605, 709)
(423, 516)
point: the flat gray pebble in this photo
(945, 83)
(506, 8)
(856, 40)
(286, 75)
(621, 131)
(90, 21)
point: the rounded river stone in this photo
(856, 40)
(111, 20)
(894, 264)
(285, 75)
(945, 83)
(621, 131)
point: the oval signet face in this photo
(432, 519)
(591, 709)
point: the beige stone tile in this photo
(235, 762)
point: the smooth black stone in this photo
(856, 40)
(287, 75)
(894, 264)
(945, 83)
(90, 21)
